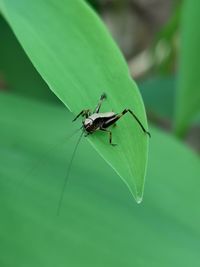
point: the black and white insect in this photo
(97, 121)
(93, 122)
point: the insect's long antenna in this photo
(41, 159)
(67, 174)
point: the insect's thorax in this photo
(96, 120)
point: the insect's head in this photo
(88, 124)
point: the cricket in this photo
(96, 121)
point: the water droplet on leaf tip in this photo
(138, 200)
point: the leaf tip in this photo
(139, 199)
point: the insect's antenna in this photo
(74, 132)
(67, 174)
(41, 159)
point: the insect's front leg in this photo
(110, 135)
(86, 134)
(84, 113)
(103, 96)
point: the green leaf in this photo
(97, 226)
(76, 56)
(188, 95)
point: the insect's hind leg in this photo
(102, 98)
(136, 118)
(84, 113)
(110, 135)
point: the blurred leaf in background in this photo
(165, 45)
(99, 224)
(158, 93)
(188, 94)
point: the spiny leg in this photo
(84, 113)
(103, 97)
(135, 117)
(110, 135)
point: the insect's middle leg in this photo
(84, 113)
(110, 135)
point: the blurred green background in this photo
(100, 224)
